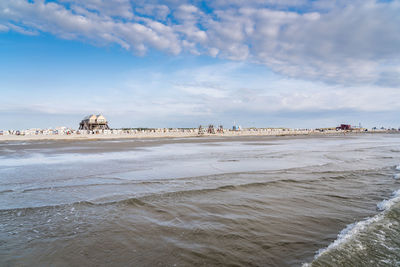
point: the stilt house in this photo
(94, 122)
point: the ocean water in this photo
(242, 201)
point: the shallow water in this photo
(245, 201)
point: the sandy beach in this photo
(181, 134)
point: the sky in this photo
(182, 63)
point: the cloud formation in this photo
(342, 42)
(222, 91)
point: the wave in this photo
(60, 187)
(397, 175)
(150, 197)
(223, 188)
(347, 234)
(20, 211)
(154, 196)
(354, 230)
(69, 187)
(201, 184)
(387, 203)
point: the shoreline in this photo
(158, 135)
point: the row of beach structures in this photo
(69, 131)
(37, 131)
(154, 131)
(159, 132)
(98, 125)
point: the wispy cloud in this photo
(216, 91)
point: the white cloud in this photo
(21, 29)
(111, 8)
(57, 19)
(160, 12)
(341, 42)
(194, 95)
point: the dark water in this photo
(250, 201)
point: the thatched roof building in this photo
(94, 122)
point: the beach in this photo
(319, 200)
(179, 133)
(199, 133)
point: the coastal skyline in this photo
(184, 63)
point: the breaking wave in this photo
(354, 243)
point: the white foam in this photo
(348, 233)
(387, 203)
(37, 158)
(353, 229)
(396, 176)
(398, 167)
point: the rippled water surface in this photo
(244, 201)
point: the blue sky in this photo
(264, 63)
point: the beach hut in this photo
(94, 122)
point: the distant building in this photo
(344, 127)
(94, 122)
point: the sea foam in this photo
(354, 229)
(387, 203)
(348, 233)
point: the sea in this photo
(202, 201)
